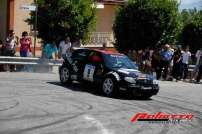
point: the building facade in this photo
(105, 19)
(12, 17)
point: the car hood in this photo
(133, 73)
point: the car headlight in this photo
(156, 82)
(130, 79)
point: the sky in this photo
(190, 4)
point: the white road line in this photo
(98, 124)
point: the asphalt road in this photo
(33, 103)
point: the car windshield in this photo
(119, 61)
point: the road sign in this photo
(28, 7)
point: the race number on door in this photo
(89, 72)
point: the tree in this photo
(145, 23)
(59, 18)
(191, 34)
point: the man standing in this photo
(185, 62)
(50, 51)
(199, 64)
(1, 50)
(166, 58)
(196, 68)
(64, 47)
(10, 46)
(11, 42)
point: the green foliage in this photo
(59, 18)
(191, 34)
(146, 23)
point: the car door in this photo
(94, 67)
(79, 58)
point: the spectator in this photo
(10, 47)
(186, 55)
(147, 58)
(139, 59)
(198, 67)
(11, 42)
(64, 47)
(134, 55)
(177, 62)
(25, 42)
(104, 46)
(129, 54)
(1, 53)
(166, 58)
(76, 43)
(50, 51)
(156, 62)
(1, 48)
(198, 78)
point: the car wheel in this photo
(65, 75)
(109, 87)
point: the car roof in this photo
(100, 51)
(107, 52)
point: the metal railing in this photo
(28, 64)
(29, 61)
(98, 38)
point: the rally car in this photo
(110, 71)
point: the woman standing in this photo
(25, 43)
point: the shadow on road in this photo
(92, 89)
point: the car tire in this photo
(65, 75)
(109, 87)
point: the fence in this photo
(36, 64)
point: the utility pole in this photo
(35, 28)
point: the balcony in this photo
(98, 38)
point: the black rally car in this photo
(111, 71)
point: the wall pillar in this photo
(10, 14)
(3, 19)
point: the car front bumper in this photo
(143, 89)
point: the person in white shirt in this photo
(186, 55)
(65, 47)
(10, 47)
(196, 73)
(198, 57)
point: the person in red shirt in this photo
(25, 43)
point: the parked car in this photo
(111, 71)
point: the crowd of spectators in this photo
(169, 62)
(49, 51)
